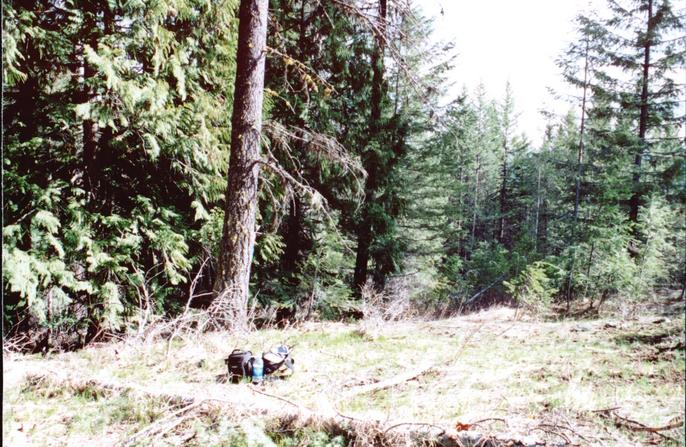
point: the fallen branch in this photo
(638, 426)
(240, 400)
(388, 383)
(480, 421)
(480, 292)
(163, 425)
(420, 424)
(550, 429)
(273, 396)
(605, 410)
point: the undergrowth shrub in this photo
(534, 287)
(661, 250)
(68, 269)
(600, 265)
(379, 307)
(100, 227)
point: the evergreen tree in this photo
(238, 235)
(635, 54)
(373, 155)
(115, 132)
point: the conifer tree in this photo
(372, 156)
(641, 38)
(238, 235)
(114, 139)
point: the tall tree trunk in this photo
(475, 210)
(396, 100)
(364, 230)
(461, 249)
(543, 228)
(89, 127)
(296, 217)
(104, 156)
(538, 208)
(636, 197)
(503, 196)
(579, 172)
(238, 238)
(582, 129)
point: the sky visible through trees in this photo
(517, 41)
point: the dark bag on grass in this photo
(279, 358)
(239, 363)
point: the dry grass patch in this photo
(520, 379)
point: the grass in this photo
(522, 375)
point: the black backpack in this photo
(277, 358)
(239, 363)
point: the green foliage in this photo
(116, 144)
(533, 288)
(98, 227)
(660, 259)
(269, 249)
(506, 207)
(323, 275)
(488, 266)
(601, 266)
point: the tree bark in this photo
(475, 210)
(579, 172)
(104, 156)
(538, 208)
(503, 196)
(364, 230)
(238, 237)
(582, 129)
(89, 127)
(636, 197)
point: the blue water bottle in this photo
(257, 370)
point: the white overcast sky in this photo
(515, 40)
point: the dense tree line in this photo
(143, 171)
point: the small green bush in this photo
(534, 288)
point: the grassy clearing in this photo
(45, 413)
(541, 380)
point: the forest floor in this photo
(616, 379)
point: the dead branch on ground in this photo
(633, 425)
(241, 401)
(163, 425)
(388, 383)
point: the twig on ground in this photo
(339, 357)
(345, 416)
(605, 410)
(464, 344)
(639, 426)
(569, 427)
(388, 383)
(159, 426)
(282, 399)
(426, 424)
(489, 419)
(505, 330)
(550, 429)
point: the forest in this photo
(117, 133)
(179, 167)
